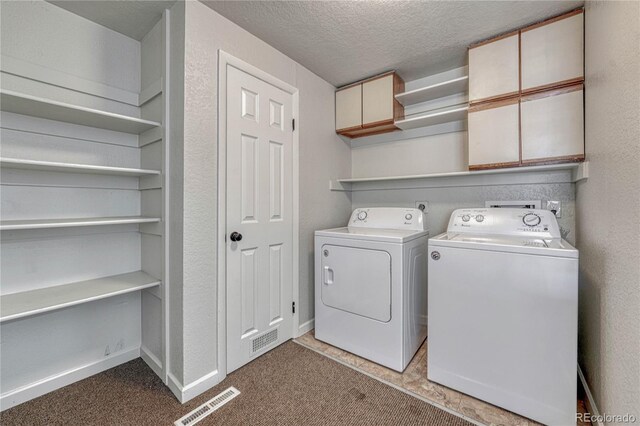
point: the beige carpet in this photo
(291, 385)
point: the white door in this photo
(259, 208)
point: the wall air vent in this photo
(264, 340)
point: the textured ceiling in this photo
(131, 18)
(344, 41)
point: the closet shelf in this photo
(33, 302)
(430, 118)
(36, 106)
(434, 91)
(16, 163)
(10, 225)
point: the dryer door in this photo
(357, 280)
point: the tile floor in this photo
(414, 380)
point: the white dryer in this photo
(371, 285)
(503, 312)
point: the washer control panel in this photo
(388, 218)
(505, 221)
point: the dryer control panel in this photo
(388, 218)
(505, 221)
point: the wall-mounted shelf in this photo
(53, 110)
(23, 304)
(430, 118)
(16, 163)
(12, 225)
(569, 173)
(434, 91)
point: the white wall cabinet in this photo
(349, 108)
(494, 135)
(553, 52)
(494, 69)
(369, 107)
(552, 126)
(378, 101)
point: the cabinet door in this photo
(494, 69)
(494, 135)
(553, 126)
(377, 100)
(349, 108)
(553, 52)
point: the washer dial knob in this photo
(479, 218)
(408, 216)
(466, 218)
(362, 215)
(531, 219)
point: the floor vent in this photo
(208, 407)
(265, 340)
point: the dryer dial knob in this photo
(466, 218)
(408, 216)
(479, 218)
(362, 215)
(531, 219)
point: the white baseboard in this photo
(306, 327)
(152, 361)
(33, 390)
(591, 402)
(193, 389)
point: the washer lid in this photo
(373, 234)
(513, 244)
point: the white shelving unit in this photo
(434, 91)
(85, 156)
(576, 173)
(35, 106)
(431, 118)
(34, 302)
(17, 163)
(12, 225)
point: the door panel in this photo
(349, 107)
(377, 100)
(259, 206)
(357, 280)
(494, 134)
(494, 69)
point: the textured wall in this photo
(322, 155)
(608, 206)
(443, 201)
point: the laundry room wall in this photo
(608, 209)
(323, 156)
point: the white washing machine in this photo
(371, 285)
(503, 312)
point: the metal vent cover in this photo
(207, 408)
(264, 340)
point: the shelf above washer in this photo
(434, 91)
(430, 118)
(50, 166)
(33, 302)
(36, 106)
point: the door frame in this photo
(225, 60)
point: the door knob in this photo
(235, 236)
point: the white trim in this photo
(305, 327)
(151, 91)
(225, 60)
(152, 361)
(193, 389)
(33, 390)
(591, 402)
